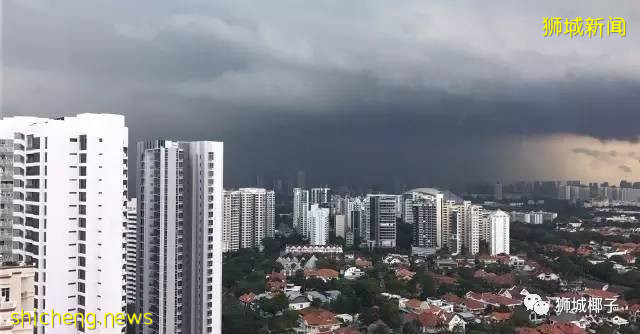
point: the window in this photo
(83, 157)
(5, 294)
(83, 171)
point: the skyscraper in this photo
(249, 217)
(425, 222)
(318, 225)
(69, 193)
(320, 196)
(180, 220)
(497, 191)
(499, 243)
(382, 220)
(300, 211)
(130, 250)
(472, 227)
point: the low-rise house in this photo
(500, 316)
(290, 264)
(404, 274)
(247, 298)
(565, 328)
(298, 301)
(412, 305)
(347, 330)
(323, 274)
(617, 321)
(314, 249)
(435, 320)
(396, 259)
(276, 282)
(317, 296)
(515, 292)
(548, 276)
(317, 321)
(493, 299)
(363, 263)
(353, 273)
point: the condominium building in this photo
(425, 222)
(419, 195)
(499, 242)
(17, 292)
(472, 227)
(341, 225)
(318, 225)
(68, 200)
(381, 216)
(180, 235)
(300, 211)
(452, 226)
(320, 196)
(130, 250)
(249, 217)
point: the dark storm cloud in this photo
(328, 87)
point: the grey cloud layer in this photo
(407, 71)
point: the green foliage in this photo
(390, 314)
(238, 319)
(369, 315)
(284, 323)
(274, 305)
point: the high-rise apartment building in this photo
(17, 292)
(249, 217)
(180, 235)
(320, 196)
(300, 211)
(381, 216)
(130, 250)
(318, 225)
(68, 203)
(452, 226)
(499, 242)
(425, 222)
(472, 227)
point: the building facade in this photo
(382, 220)
(180, 236)
(318, 225)
(69, 210)
(499, 243)
(17, 295)
(249, 217)
(300, 211)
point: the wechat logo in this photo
(535, 303)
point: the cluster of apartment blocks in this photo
(439, 219)
(64, 212)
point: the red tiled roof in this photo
(600, 293)
(501, 316)
(347, 330)
(247, 298)
(324, 273)
(318, 317)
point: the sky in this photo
(363, 92)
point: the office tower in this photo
(248, 218)
(497, 191)
(300, 211)
(407, 207)
(180, 219)
(320, 196)
(130, 249)
(499, 232)
(425, 222)
(69, 206)
(300, 180)
(471, 232)
(318, 225)
(17, 284)
(341, 225)
(382, 220)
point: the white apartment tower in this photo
(472, 227)
(249, 217)
(180, 235)
(300, 211)
(318, 225)
(499, 243)
(68, 192)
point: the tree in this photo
(520, 317)
(390, 314)
(275, 304)
(284, 322)
(411, 327)
(369, 315)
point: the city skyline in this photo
(284, 85)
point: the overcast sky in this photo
(355, 92)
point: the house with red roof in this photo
(318, 321)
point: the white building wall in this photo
(499, 232)
(318, 225)
(74, 200)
